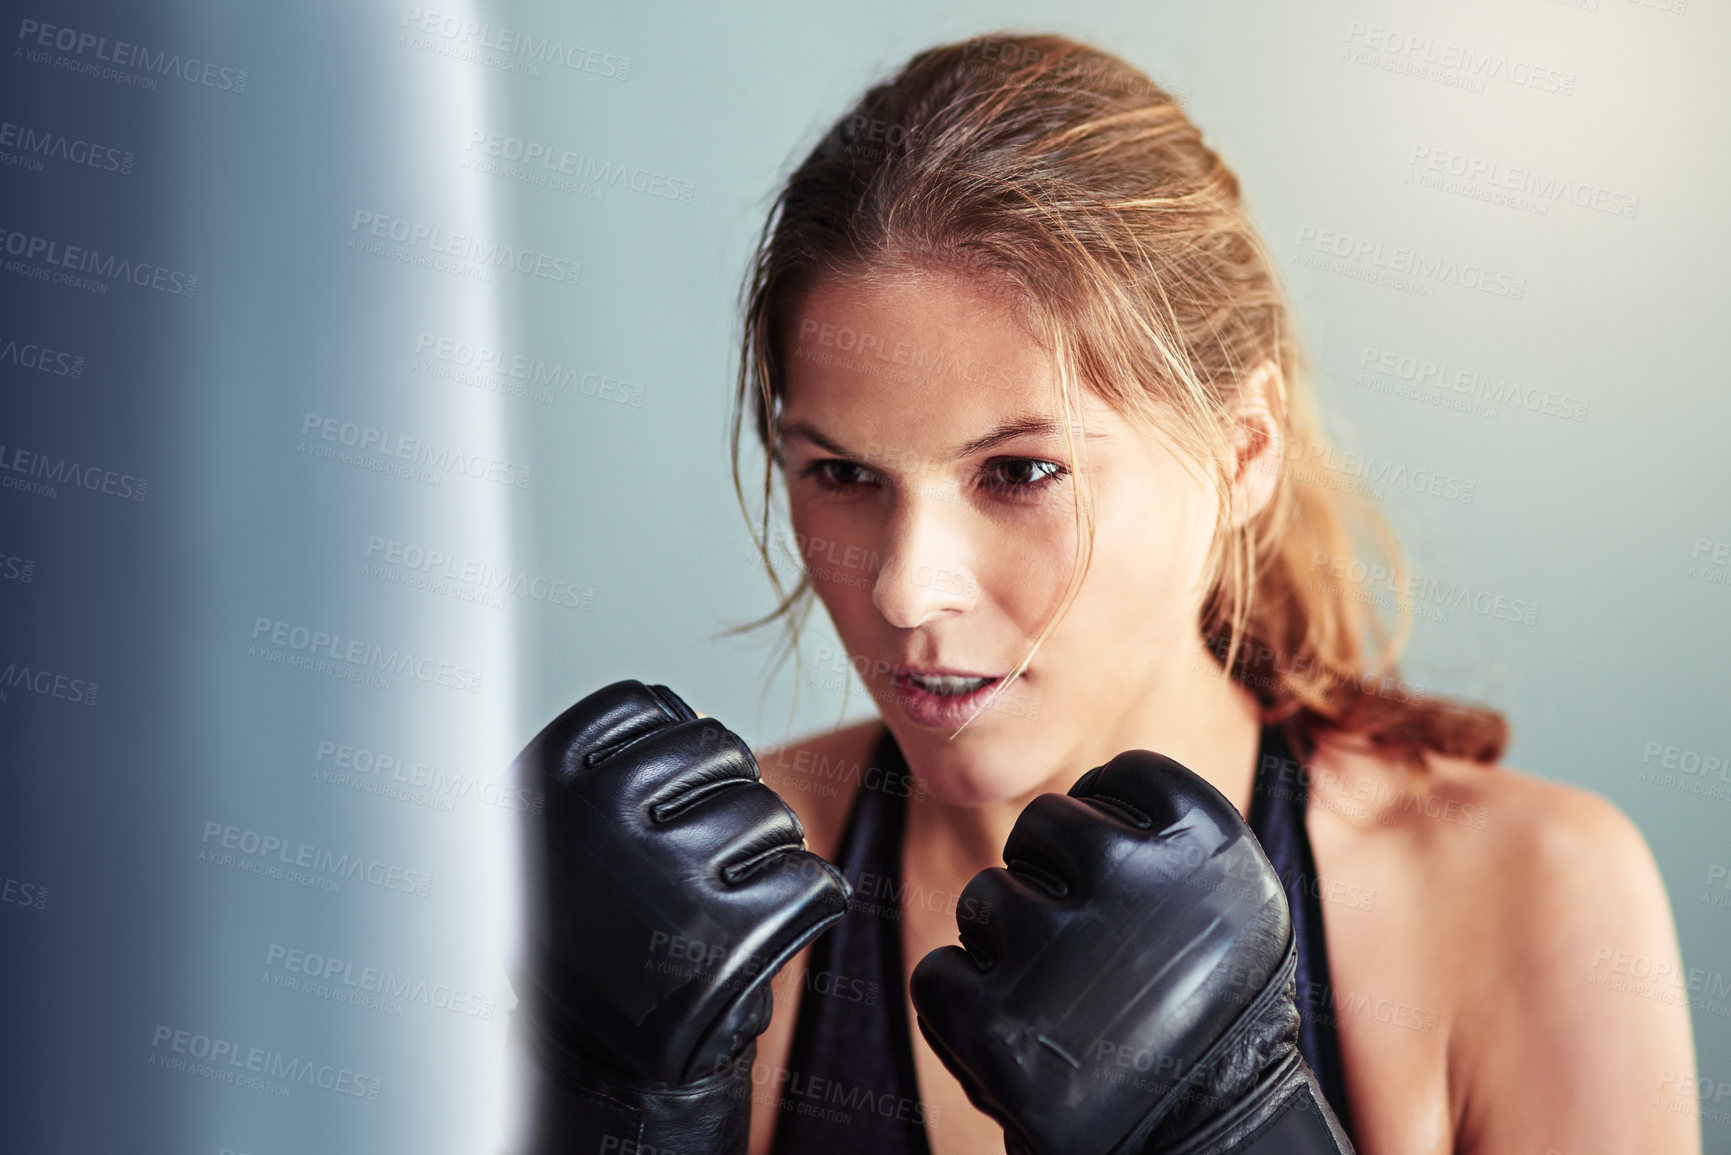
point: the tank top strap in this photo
(1277, 811)
(850, 1086)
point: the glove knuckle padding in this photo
(1053, 835)
(661, 768)
(1101, 1002)
(667, 885)
(1151, 783)
(742, 834)
(1016, 917)
(602, 722)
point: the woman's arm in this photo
(1572, 1034)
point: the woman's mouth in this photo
(948, 685)
(942, 700)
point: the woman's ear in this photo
(1258, 447)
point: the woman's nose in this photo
(925, 571)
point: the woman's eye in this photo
(1012, 477)
(835, 473)
(1020, 476)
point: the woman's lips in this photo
(940, 711)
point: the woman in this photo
(1031, 387)
(1030, 382)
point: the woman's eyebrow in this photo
(814, 435)
(1008, 431)
(1018, 427)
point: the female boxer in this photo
(1023, 367)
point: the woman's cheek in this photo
(839, 564)
(1026, 568)
(828, 545)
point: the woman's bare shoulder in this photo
(818, 775)
(1535, 874)
(1532, 905)
(1470, 818)
(1563, 874)
(1550, 852)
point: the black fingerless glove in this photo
(1133, 991)
(664, 887)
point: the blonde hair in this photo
(1057, 171)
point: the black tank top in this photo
(849, 1087)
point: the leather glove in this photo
(665, 886)
(1133, 993)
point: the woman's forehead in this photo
(936, 307)
(933, 356)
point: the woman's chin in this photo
(977, 778)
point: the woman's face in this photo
(934, 498)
